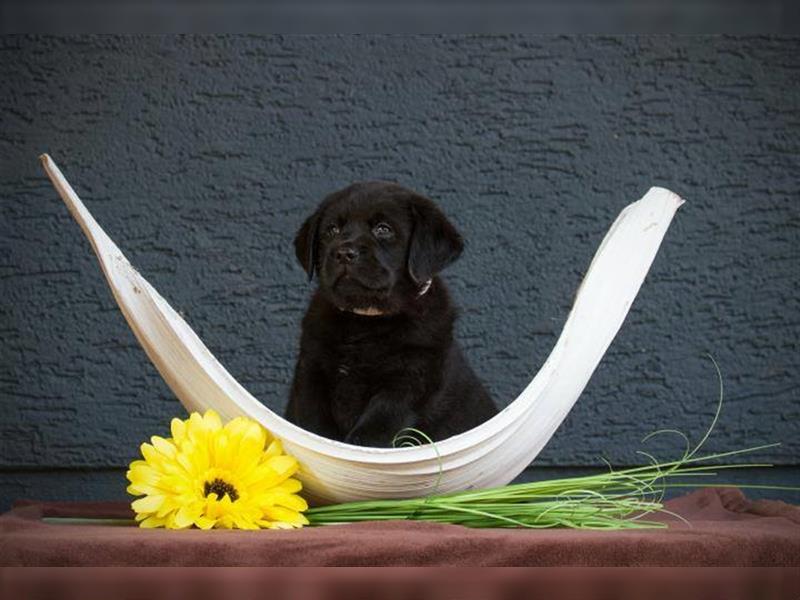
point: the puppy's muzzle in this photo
(346, 254)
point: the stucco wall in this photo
(201, 157)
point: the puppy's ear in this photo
(306, 241)
(434, 244)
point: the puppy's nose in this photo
(346, 254)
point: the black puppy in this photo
(377, 352)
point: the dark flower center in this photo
(220, 488)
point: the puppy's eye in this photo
(382, 230)
(332, 231)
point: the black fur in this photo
(362, 378)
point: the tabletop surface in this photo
(724, 529)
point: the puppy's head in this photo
(375, 246)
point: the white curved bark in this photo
(491, 454)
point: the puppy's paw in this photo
(353, 438)
(361, 437)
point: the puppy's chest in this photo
(357, 370)
(358, 361)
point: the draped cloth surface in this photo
(725, 529)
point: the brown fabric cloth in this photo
(726, 529)
(400, 583)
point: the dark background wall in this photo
(201, 157)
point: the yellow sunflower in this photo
(210, 475)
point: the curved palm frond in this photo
(491, 454)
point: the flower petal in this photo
(147, 504)
(178, 430)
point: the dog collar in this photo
(424, 289)
(371, 311)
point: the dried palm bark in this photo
(491, 454)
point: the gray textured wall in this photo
(201, 156)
